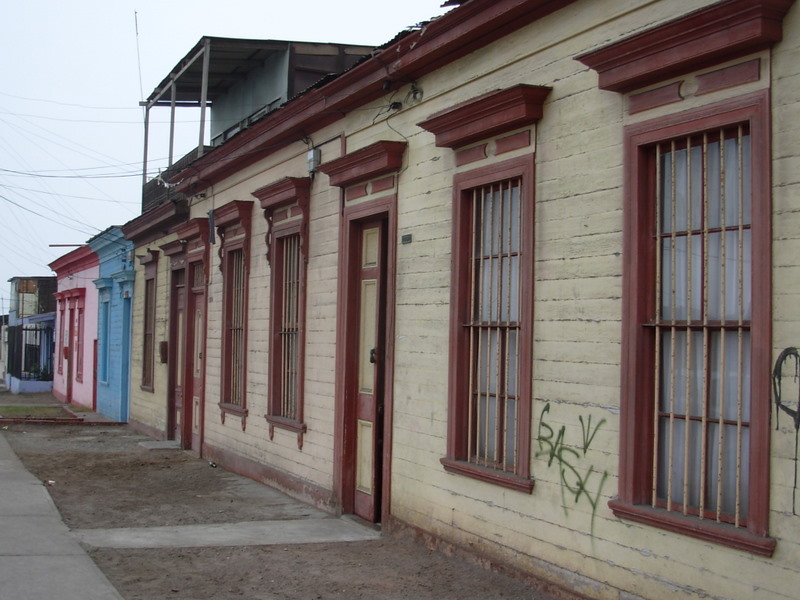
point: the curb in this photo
(54, 421)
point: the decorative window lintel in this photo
(232, 221)
(704, 38)
(488, 115)
(286, 206)
(286, 194)
(369, 162)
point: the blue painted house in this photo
(115, 289)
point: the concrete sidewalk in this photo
(42, 559)
(39, 558)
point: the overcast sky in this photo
(71, 79)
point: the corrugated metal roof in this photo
(230, 60)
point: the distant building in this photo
(3, 349)
(31, 320)
(76, 327)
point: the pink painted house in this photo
(76, 327)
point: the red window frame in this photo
(458, 459)
(235, 325)
(286, 204)
(288, 312)
(638, 338)
(79, 336)
(150, 262)
(148, 335)
(233, 227)
(62, 314)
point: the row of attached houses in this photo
(92, 324)
(522, 282)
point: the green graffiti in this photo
(575, 483)
(588, 432)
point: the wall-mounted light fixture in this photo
(313, 156)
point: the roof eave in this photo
(444, 40)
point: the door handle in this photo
(372, 357)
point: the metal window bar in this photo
(60, 350)
(79, 343)
(290, 326)
(236, 327)
(701, 325)
(30, 352)
(148, 354)
(494, 325)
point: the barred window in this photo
(696, 325)
(702, 325)
(233, 227)
(148, 337)
(234, 325)
(286, 206)
(494, 327)
(286, 341)
(491, 325)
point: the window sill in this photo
(508, 480)
(235, 410)
(710, 531)
(147, 388)
(288, 424)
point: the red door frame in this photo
(70, 352)
(190, 252)
(176, 398)
(196, 299)
(385, 209)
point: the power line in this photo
(17, 204)
(17, 188)
(57, 103)
(46, 176)
(69, 143)
(63, 120)
(62, 215)
(135, 165)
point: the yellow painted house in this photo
(522, 282)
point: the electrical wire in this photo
(57, 103)
(69, 143)
(45, 207)
(25, 208)
(45, 176)
(22, 189)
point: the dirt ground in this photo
(103, 478)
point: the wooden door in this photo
(176, 356)
(368, 369)
(70, 353)
(195, 344)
